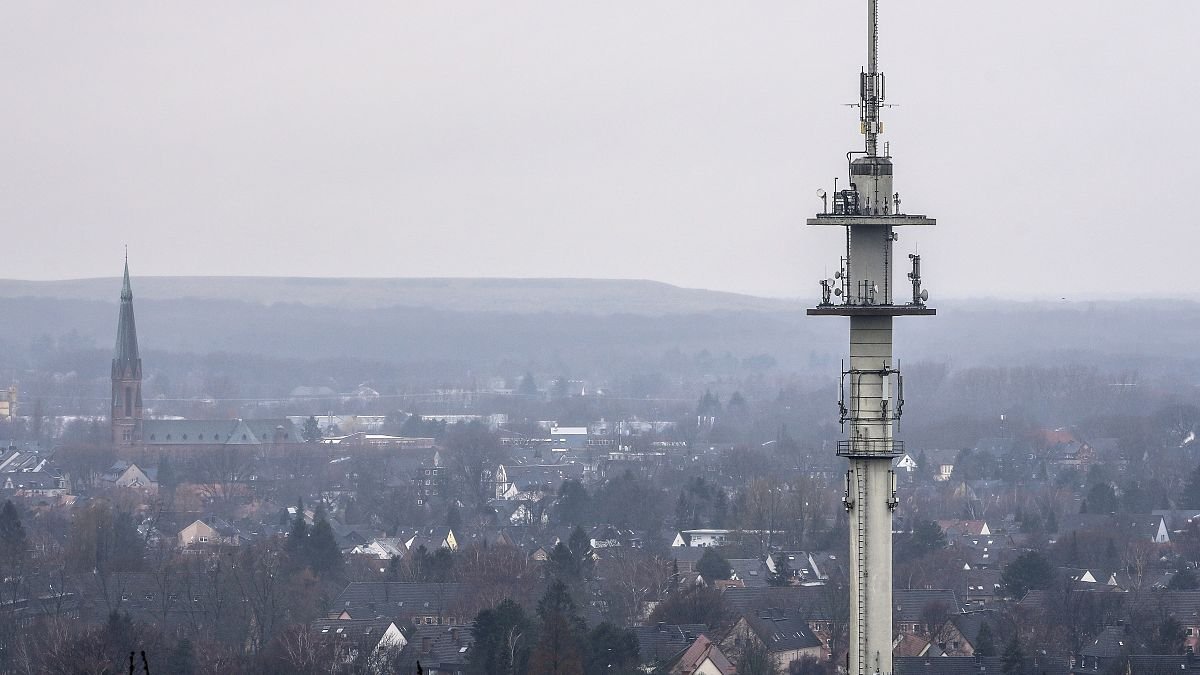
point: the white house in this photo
(905, 463)
(701, 537)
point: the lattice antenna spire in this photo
(871, 87)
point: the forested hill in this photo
(580, 296)
(586, 326)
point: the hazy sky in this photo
(679, 141)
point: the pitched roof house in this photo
(703, 657)
(785, 635)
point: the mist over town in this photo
(469, 340)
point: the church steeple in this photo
(126, 374)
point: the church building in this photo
(134, 435)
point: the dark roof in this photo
(359, 631)
(395, 599)
(968, 665)
(752, 571)
(1109, 644)
(911, 603)
(812, 602)
(970, 623)
(438, 648)
(1148, 664)
(218, 432)
(662, 642)
(782, 631)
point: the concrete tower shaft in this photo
(872, 392)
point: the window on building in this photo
(429, 621)
(202, 539)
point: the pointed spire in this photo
(126, 289)
(125, 356)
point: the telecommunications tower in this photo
(872, 390)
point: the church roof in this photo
(217, 432)
(125, 355)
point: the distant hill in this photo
(584, 296)
(587, 325)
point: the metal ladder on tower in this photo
(860, 517)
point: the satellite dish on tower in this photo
(820, 193)
(924, 295)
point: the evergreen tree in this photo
(14, 552)
(1030, 570)
(709, 405)
(297, 541)
(14, 545)
(167, 479)
(559, 649)
(783, 571)
(528, 386)
(441, 566)
(1102, 498)
(454, 519)
(1013, 662)
(1111, 559)
(564, 565)
(985, 643)
(692, 604)
(581, 547)
(413, 427)
(503, 636)
(574, 504)
(713, 566)
(611, 651)
(312, 430)
(926, 537)
(1169, 636)
(324, 556)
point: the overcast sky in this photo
(679, 141)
